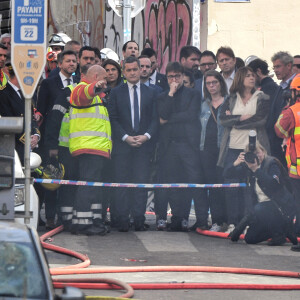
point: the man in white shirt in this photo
(226, 61)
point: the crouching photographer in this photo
(270, 192)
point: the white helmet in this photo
(59, 39)
(110, 54)
(249, 59)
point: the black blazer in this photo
(48, 92)
(161, 80)
(198, 87)
(11, 105)
(120, 117)
(186, 114)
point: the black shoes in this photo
(238, 230)
(296, 248)
(277, 241)
(198, 225)
(124, 227)
(91, 230)
(50, 224)
(140, 226)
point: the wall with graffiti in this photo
(5, 16)
(83, 20)
(165, 26)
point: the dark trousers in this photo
(161, 195)
(107, 191)
(46, 196)
(50, 200)
(131, 167)
(296, 187)
(267, 223)
(211, 198)
(88, 199)
(66, 193)
(180, 164)
(235, 203)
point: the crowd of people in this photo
(107, 120)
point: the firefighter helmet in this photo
(295, 84)
(59, 39)
(51, 172)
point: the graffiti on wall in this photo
(80, 19)
(166, 26)
(113, 38)
(5, 16)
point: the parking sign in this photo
(29, 25)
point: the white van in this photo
(20, 196)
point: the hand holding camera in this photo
(251, 159)
(253, 166)
(240, 159)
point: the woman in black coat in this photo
(270, 192)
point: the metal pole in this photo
(196, 23)
(127, 20)
(27, 158)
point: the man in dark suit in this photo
(179, 140)
(155, 77)
(282, 65)
(262, 78)
(134, 122)
(146, 72)
(50, 87)
(12, 104)
(48, 93)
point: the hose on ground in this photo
(104, 283)
(109, 283)
(85, 260)
(169, 286)
(225, 235)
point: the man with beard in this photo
(190, 60)
(155, 78)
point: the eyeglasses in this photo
(207, 64)
(215, 82)
(177, 76)
(296, 65)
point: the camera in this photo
(250, 156)
(287, 97)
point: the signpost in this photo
(28, 58)
(127, 9)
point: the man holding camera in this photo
(270, 193)
(288, 128)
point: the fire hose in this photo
(105, 283)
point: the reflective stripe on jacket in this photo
(294, 167)
(3, 82)
(63, 139)
(90, 130)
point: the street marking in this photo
(274, 250)
(155, 241)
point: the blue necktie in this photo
(136, 110)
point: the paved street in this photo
(154, 248)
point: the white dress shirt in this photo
(229, 80)
(64, 79)
(131, 97)
(153, 78)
